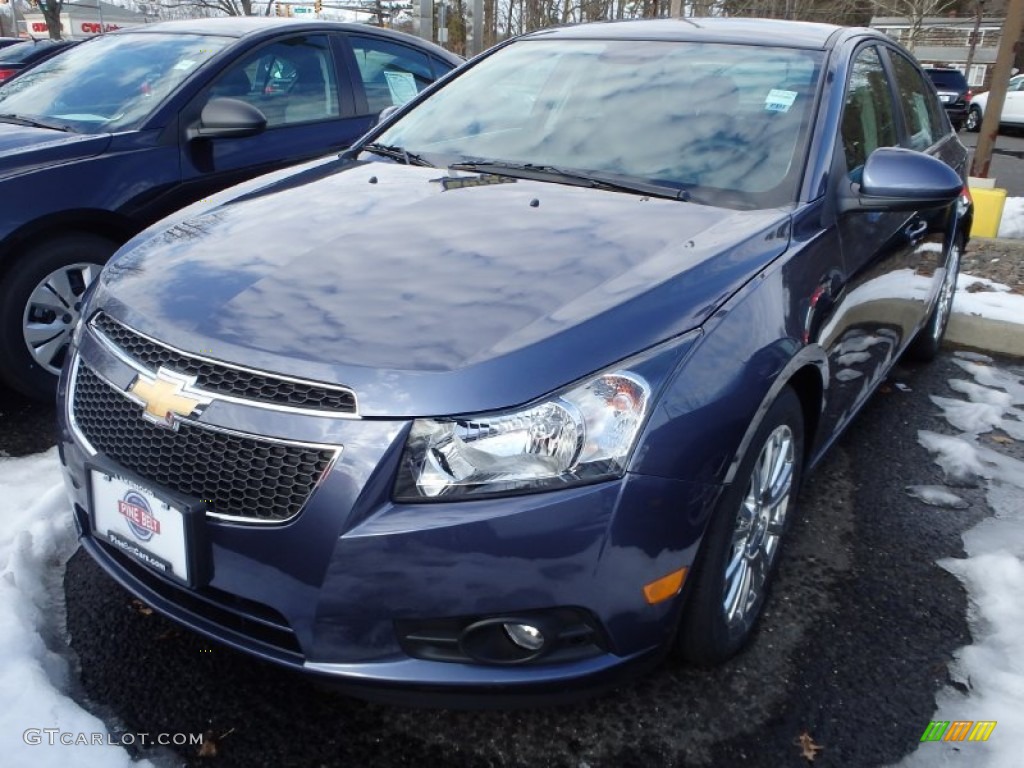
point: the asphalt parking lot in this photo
(854, 645)
(1007, 166)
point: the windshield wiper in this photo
(395, 153)
(34, 122)
(590, 179)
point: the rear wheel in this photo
(926, 345)
(973, 123)
(741, 547)
(40, 302)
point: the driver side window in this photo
(868, 116)
(291, 81)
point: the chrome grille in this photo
(239, 476)
(224, 379)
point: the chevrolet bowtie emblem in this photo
(167, 397)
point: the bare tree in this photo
(51, 12)
(234, 7)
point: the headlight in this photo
(580, 435)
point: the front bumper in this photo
(333, 590)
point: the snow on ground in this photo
(36, 539)
(1012, 222)
(993, 301)
(991, 669)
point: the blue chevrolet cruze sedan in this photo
(98, 143)
(516, 395)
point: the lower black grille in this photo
(236, 475)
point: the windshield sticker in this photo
(778, 100)
(185, 64)
(402, 86)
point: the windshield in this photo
(108, 83)
(724, 122)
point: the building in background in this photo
(946, 42)
(84, 18)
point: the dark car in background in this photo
(17, 58)
(513, 399)
(99, 142)
(954, 93)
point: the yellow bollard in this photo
(988, 211)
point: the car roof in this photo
(255, 26)
(789, 34)
(232, 26)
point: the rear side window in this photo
(868, 119)
(392, 73)
(921, 110)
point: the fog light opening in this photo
(526, 636)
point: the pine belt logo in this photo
(140, 518)
(958, 730)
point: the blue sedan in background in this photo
(108, 137)
(517, 394)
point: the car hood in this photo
(432, 292)
(23, 147)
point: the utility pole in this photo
(477, 44)
(427, 19)
(997, 95)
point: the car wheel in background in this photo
(926, 344)
(973, 123)
(40, 302)
(740, 551)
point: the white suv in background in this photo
(1013, 108)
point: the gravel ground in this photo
(1001, 260)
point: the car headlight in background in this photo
(580, 435)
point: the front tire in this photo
(40, 302)
(928, 341)
(740, 551)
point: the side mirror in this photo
(223, 118)
(895, 179)
(387, 112)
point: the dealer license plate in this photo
(131, 518)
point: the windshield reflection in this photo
(726, 120)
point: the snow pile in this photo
(991, 669)
(36, 538)
(936, 496)
(987, 298)
(1012, 222)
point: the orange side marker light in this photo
(664, 588)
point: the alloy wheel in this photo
(759, 526)
(947, 292)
